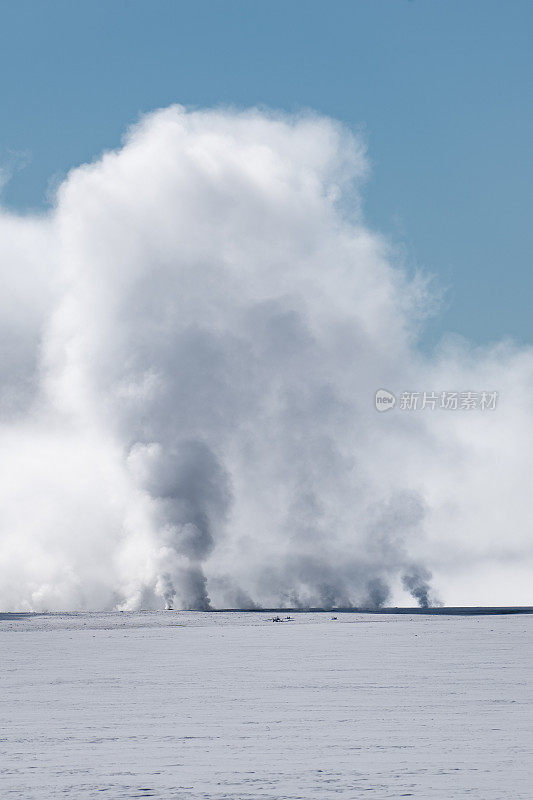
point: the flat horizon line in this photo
(431, 610)
(449, 610)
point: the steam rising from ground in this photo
(191, 342)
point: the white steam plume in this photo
(191, 342)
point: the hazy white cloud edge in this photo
(190, 345)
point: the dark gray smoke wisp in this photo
(190, 491)
(417, 583)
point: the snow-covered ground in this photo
(185, 705)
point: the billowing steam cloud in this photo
(190, 345)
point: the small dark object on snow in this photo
(277, 619)
(334, 618)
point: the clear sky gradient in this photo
(441, 90)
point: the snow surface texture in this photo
(188, 705)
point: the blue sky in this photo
(441, 90)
